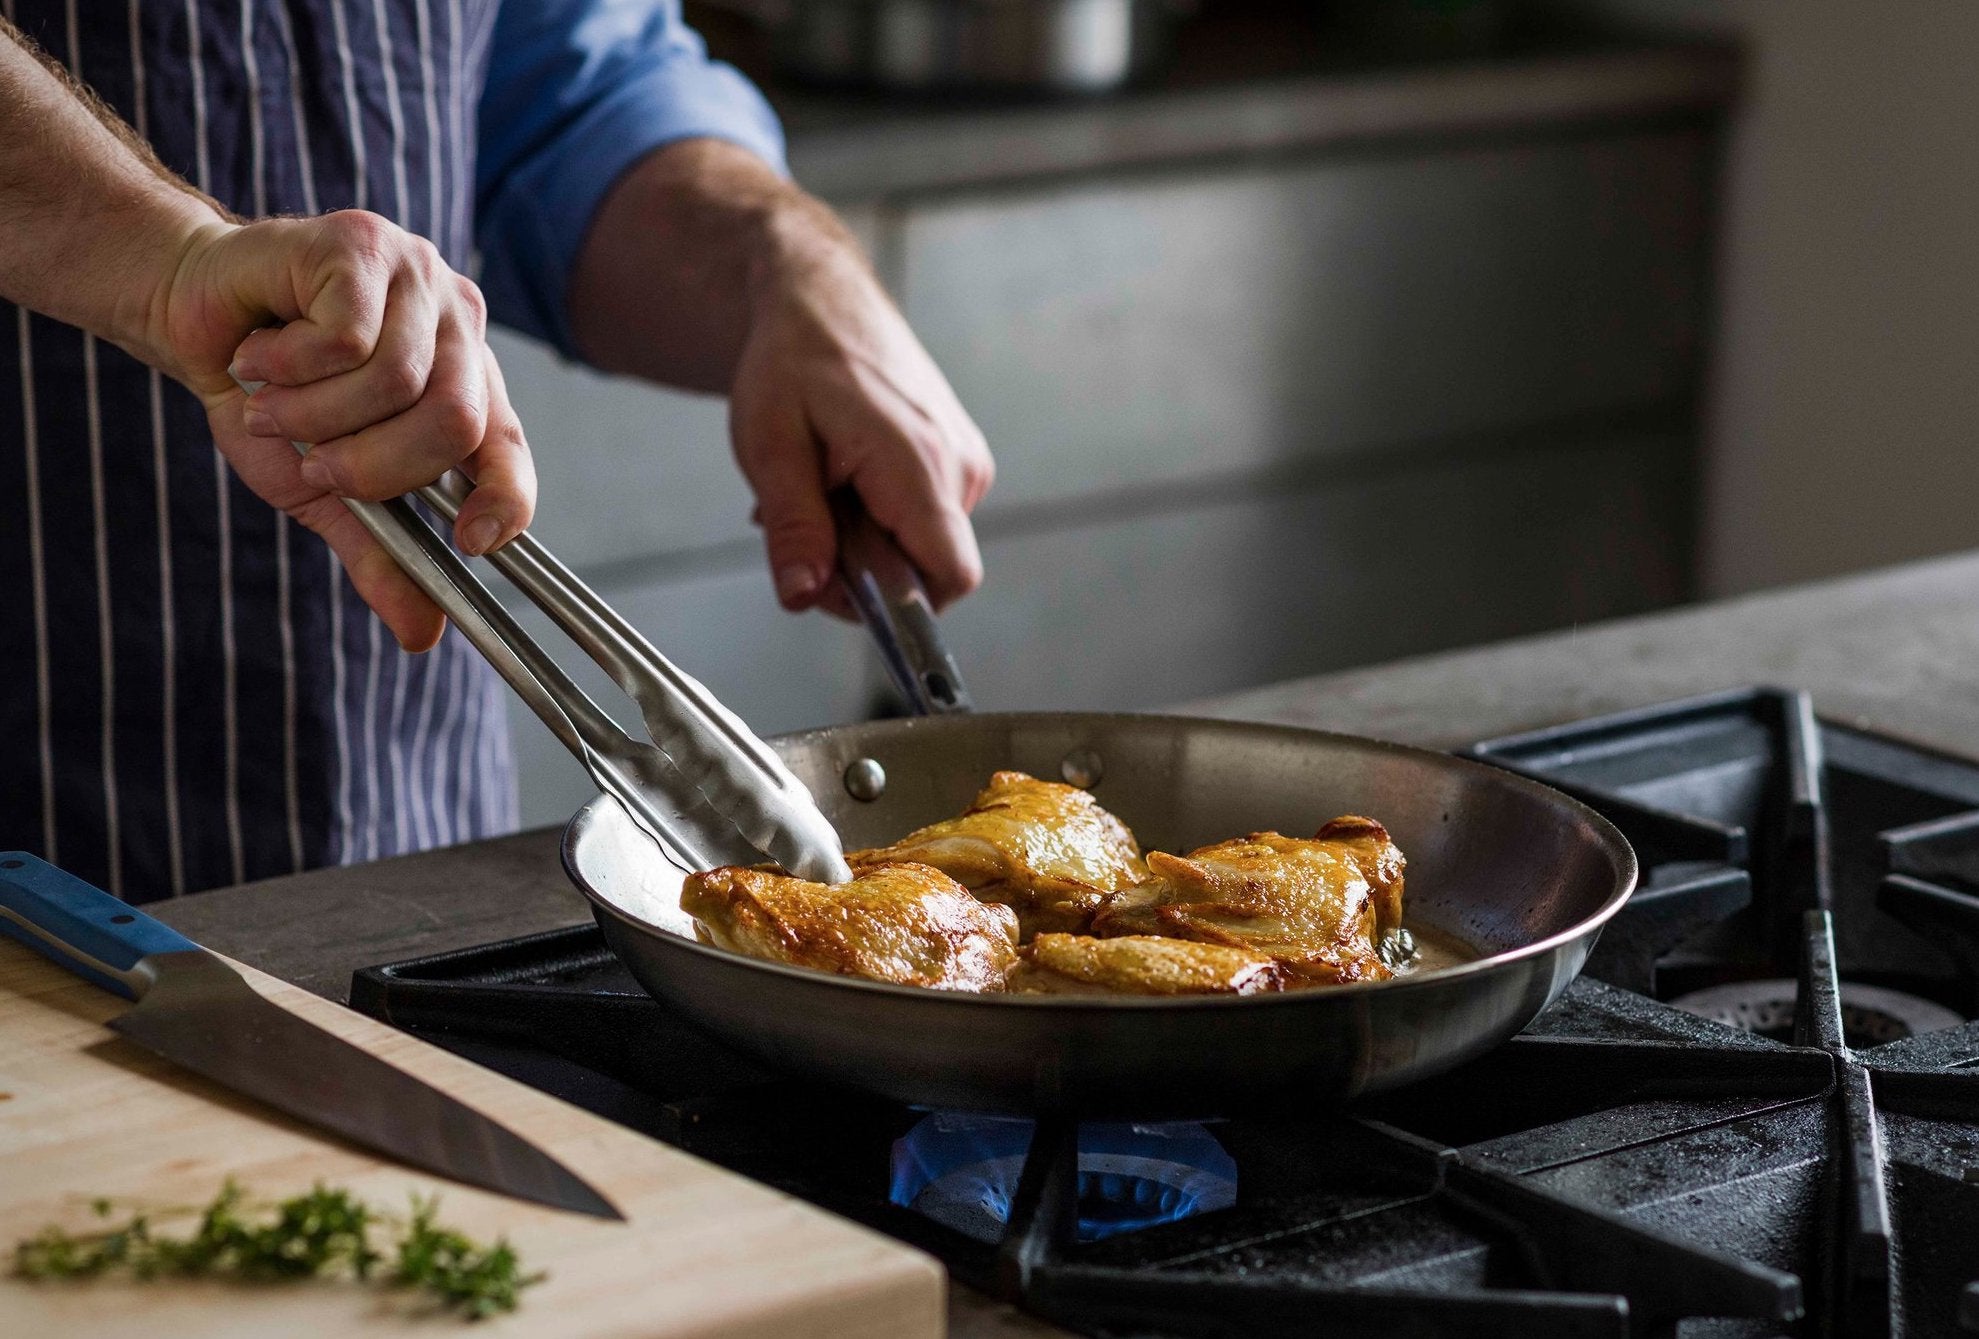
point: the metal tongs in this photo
(704, 786)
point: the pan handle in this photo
(894, 606)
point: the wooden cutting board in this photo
(84, 1113)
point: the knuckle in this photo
(424, 261)
(369, 486)
(474, 303)
(515, 444)
(361, 234)
(456, 422)
(980, 473)
(358, 475)
(320, 514)
(400, 382)
(926, 438)
(346, 345)
(789, 530)
(378, 471)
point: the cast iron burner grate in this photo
(1621, 1168)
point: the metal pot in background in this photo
(1055, 46)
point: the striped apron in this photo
(191, 694)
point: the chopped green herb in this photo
(461, 1274)
(325, 1232)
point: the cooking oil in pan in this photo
(1421, 948)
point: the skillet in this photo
(1521, 875)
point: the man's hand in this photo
(704, 268)
(380, 358)
(831, 389)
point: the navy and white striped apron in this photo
(191, 694)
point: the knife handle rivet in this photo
(124, 919)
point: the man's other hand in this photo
(705, 268)
(832, 389)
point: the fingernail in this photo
(261, 423)
(482, 534)
(796, 583)
(243, 370)
(317, 475)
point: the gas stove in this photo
(1753, 1114)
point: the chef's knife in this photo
(196, 1011)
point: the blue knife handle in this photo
(80, 926)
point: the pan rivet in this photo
(865, 779)
(1082, 768)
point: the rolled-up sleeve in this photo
(577, 92)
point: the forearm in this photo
(684, 251)
(91, 226)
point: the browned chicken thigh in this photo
(1047, 851)
(1042, 864)
(904, 923)
(1317, 906)
(1060, 964)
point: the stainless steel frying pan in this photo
(1519, 872)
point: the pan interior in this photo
(1495, 862)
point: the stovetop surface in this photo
(1622, 1167)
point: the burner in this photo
(962, 1170)
(1871, 1015)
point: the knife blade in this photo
(197, 1012)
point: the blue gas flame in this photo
(961, 1169)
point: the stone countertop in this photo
(1896, 650)
(854, 150)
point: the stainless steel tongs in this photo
(704, 786)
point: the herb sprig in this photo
(326, 1232)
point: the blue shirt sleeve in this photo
(577, 92)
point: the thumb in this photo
(780, 458)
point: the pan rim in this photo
(1610, 839)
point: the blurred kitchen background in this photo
(1310, 335)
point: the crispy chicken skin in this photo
(1047, 851)
(1062, 964)
(904, 923)
(1318, 906)
(1368, 845)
